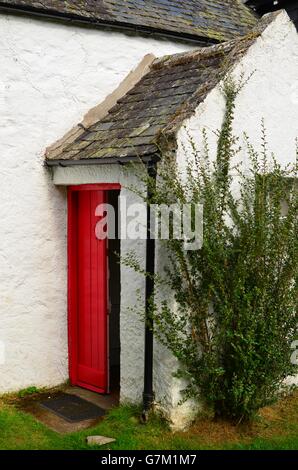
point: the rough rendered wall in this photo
(271, 93)
(50, 76)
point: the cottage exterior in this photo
(53, 75)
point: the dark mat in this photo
(72, 408)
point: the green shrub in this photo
(236, 297)
(27, 391)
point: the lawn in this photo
(276, 428)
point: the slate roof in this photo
(148, 116)
(216, 20)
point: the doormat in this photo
(72, 408)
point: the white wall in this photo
(50, 76)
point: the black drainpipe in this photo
(148, 394)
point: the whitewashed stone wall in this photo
(51, 74)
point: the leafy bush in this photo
(236, 297)
(27, 392)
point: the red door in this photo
(87, 292)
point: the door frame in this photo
(72, 283)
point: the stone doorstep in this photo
(99, 440)
(60, 425)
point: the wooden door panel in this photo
(89, 361)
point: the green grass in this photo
(27, 392)
(19, 430)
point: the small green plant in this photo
(27, 391)
(236, 297)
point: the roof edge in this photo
(154, 157)
(97, 23)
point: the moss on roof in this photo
(216, 20)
